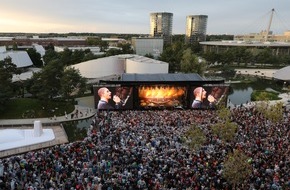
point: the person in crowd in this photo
(145, 150)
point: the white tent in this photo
(283, 74)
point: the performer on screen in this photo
(105, 95)
(200, 96)
(124, 93)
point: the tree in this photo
(35, 57)
(172, 54)
(195, 137)
(211, 57)
(126, 48)
(275, 112)
(237, 168)
(46, 83)
(226, 131)
(190, 63)
(66, 56)
(50, 55)
(149, 55)
(72, 83)
(227, 57)
(264, 56)
(7, 69)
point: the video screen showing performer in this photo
(208, 97)
(161, 96)
(112, 98)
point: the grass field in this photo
(33, 108)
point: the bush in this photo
(263, 95)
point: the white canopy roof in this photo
(283, 74)
(19, 58)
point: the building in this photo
(277, 48)
(148, 45)
(261, 37)
(195, 28)
(161, 25)
(20, 58)
(114, 66)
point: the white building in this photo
(144, 65)
(94, 49)
(19, 58)
(143, 46)
(117, 65)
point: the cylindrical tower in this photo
(161, 25)
(196, 28)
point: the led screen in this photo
(208, 97)
(113, 97)
(161, 96)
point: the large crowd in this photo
(145, 150)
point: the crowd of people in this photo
(146, 150)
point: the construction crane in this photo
(269, 26)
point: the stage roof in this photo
(162, 77)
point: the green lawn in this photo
(258, 94)
(33, 108)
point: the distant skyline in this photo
(132, 16)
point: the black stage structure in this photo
(161, 91)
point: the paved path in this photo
(257, 72)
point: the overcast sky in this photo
(132, 16)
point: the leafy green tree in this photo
(195, 137)
(7, 69)
(224, 113)
(275, 112)
(227, 57)
(211, 57)
(172, 54)
(224, 128)
(113, 51)
(237, 168)
(72, 83)
(46, 83)
(262, 102)
(190, 63)
(226, 131)
(126, 48)
(66, 56)
(50, 55)
(96, 41)
(77, 57)
(264, 56)
(149, 55)
(35, 57)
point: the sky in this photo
(132, 16)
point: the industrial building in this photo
(148, 45)
(278, 48)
